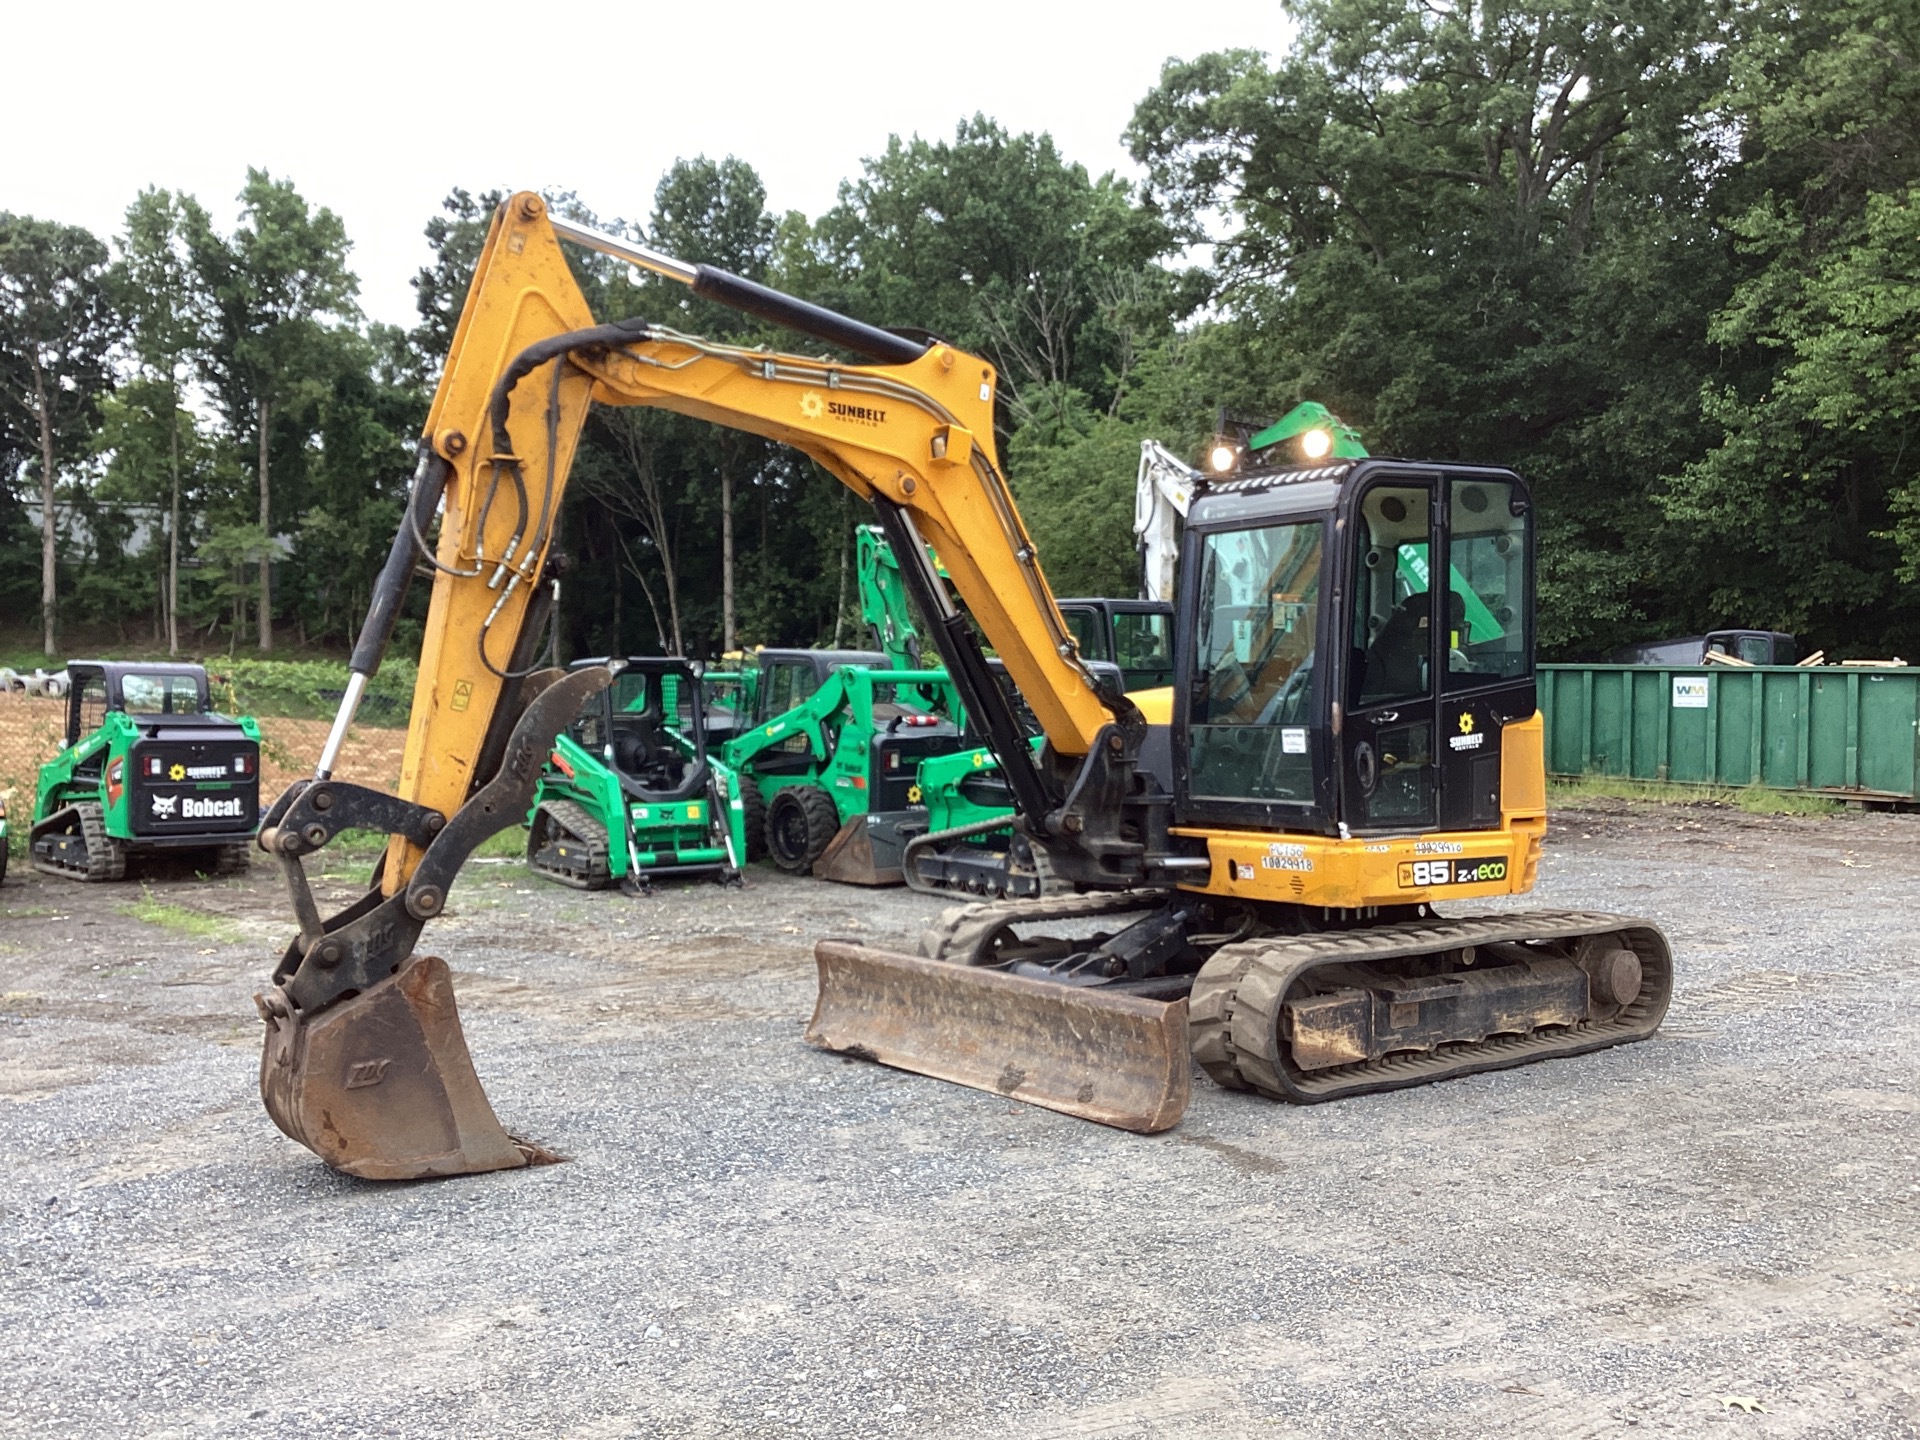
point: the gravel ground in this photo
(754, 1238)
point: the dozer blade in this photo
(1117, 1059)
(381, 1086)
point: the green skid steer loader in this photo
(631, 793)
(147, 768)
(829, 763)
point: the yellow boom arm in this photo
(918, 434)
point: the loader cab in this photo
(1135, 635)
(788, 677)
(1353, 637)
(649, 727)
(157, 691)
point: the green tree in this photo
(155, 289)
(280, 294)
(1475, 233)
(155, 459)
(715, 213)
(440, 289)
(1806, 507)
(997, 243)
(57, 328)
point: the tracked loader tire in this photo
(227, 859)
(568, 846)
(74, 842)
(801, 822)
(755, 820)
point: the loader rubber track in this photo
(581, 829)
(978, 870)
(105, 857)
(1234, 1009)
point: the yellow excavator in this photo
(1241, 870)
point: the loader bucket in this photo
(1117, 1059)
(850, 859)
(380, 1085)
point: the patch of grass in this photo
(1570, 791)
(1753, 799)
(1758, 800)
(366, 844)
(510, 843)
(180, 919)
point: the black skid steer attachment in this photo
(365, 1063)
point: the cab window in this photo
(160, 694)
(1141, 644)
(1486, 619)
(1084, 625)
(1392, 641)
(786, 685)
(1259, 593)
(89, 708)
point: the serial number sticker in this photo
(1424, 874)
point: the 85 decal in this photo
(1425, 874)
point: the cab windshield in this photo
(1252, 698)
(161, 695)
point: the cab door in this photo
(1485, 656)
(1389, 774)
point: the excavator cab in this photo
(1136, 635)
(1328, 683)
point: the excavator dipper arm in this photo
(364, 1061)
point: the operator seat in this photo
(1396, 661)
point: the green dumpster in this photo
(1852, 732)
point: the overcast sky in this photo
(377, 109)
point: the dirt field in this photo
(30, 735)
(752, 1238)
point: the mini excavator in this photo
(1245, 865)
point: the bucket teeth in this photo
(1117, 1059)
(380, 1085)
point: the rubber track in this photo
(1234, 1009)
(106, 859)
(1002, 873)
(575, 820)
(961, 933)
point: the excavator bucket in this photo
(381, 1086)
(1117, 1059)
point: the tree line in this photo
(1663, 261)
